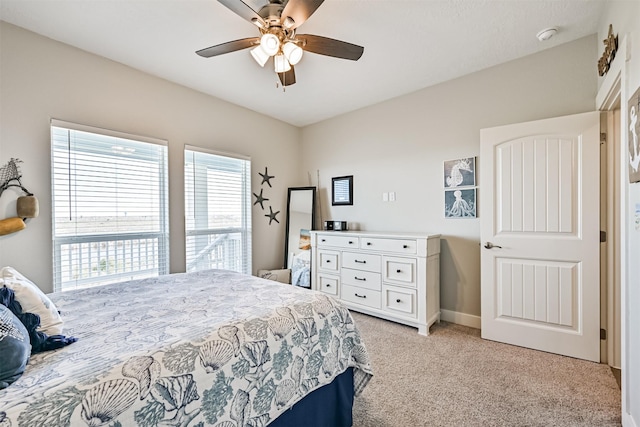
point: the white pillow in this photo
(32, 300)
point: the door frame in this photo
(608, 97)
(610, 256)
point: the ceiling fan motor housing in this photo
(271, 14)
(278, 36)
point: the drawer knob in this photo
(398, 271)
(350, 242)
(360, 262)
(328, 285)
(369, 243)
(398, 300)
(405, 246)
(360, 296)
(324, 240)
(360, 278)
(330, 261)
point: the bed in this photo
(206, 348)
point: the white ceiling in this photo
(409, 44)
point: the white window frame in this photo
(159, 252)
(228, 258)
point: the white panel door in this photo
(539, 216)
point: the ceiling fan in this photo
(278, 21)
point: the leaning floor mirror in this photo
(301, 219)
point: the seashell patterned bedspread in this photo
(206, 348)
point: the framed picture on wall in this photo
(460, 172)
(342, 190)
(460, 203)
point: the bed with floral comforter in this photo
(207, 348)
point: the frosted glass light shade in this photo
(259, 55)
(292, 52)
(270, 44)
(281, 64)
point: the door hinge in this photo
(603, 334)
(603, 137)
(603, 236)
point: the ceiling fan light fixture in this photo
(278, 21)
(292, 52)
(259, 55)
(281, 64)
(270, 44)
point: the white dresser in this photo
(395, 276)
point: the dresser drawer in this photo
(363, 279)
(328, 284)
(328, 260)
(360, 261)
(399, 246)
(399, 270)
(361, 296)
(400, 301)
(338, 241)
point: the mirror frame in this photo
(313, 218)
(342, 183)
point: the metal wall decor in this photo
(610, 49)
(260, 198)
(272, 215)
(266, 177)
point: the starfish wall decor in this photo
(266, 177)
(260, 199)
(272, 215)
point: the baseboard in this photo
(460, 318)
(627, 421)
(617, 374)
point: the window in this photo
(110, 217)
(217, 211)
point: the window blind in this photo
(110, 210)
(217, 210)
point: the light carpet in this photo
(455, 378)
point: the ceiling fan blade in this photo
(300, 10)
(288, 78)
(330, 47)
(228, 47)
(243, 10)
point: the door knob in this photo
(490, 245)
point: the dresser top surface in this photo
(393, 234)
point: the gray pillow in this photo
(15, 347)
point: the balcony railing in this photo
(225, 249)
(91, 260)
